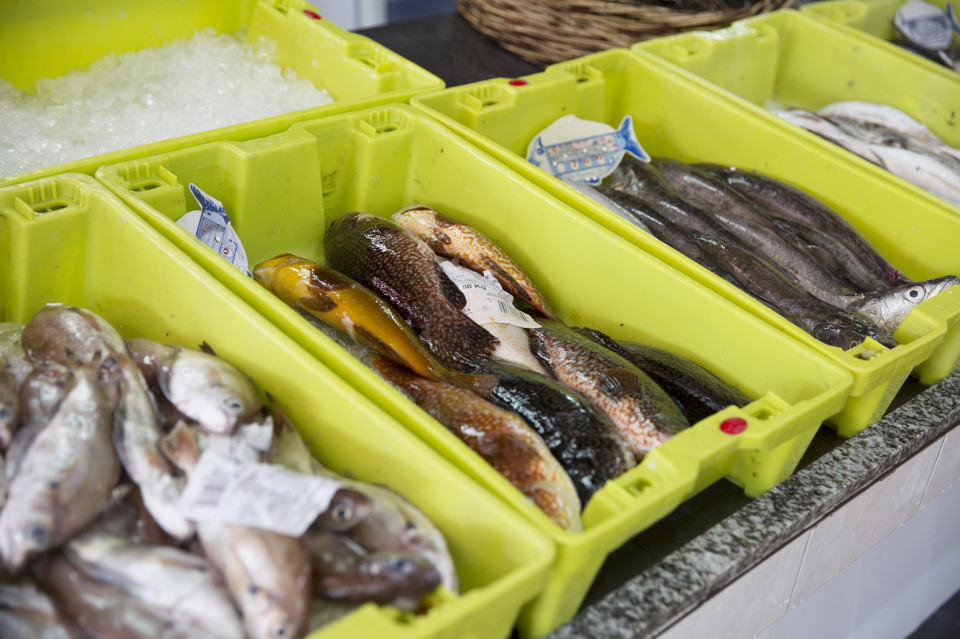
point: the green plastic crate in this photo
(48, 38)
(872, 20)
(67, 239)
(675, 116)
(283, 191)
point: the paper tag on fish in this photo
(211, 225)
(256, 495)
(487, 302)
(923, 25)
(584, 150)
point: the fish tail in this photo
(630, 142)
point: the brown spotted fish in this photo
(403, 270)
(458, 240)
(501, 438)
(643, 413)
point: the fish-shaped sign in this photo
(211, 225)
(584, 150)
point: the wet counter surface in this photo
(719, 535)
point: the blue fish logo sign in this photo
(211, 226)
(583, 150)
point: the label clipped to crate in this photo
(924, 25)
(487, 302)
(211, 225)
(256, 495)
(584, 150)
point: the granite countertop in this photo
(719, 535)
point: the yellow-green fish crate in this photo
(68, 240)
(49, 38)
(789, 59)
(872, 20)
(283, 191)
(676, 117)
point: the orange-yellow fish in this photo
(458, 240)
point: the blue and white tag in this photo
(925, 25)
(952, 17)
(584, 150)
(212, 227)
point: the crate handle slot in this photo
(762, 414)
(639, 486)
(146, 185)
(50, 207)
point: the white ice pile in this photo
(204, 82)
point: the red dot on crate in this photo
(517, 83)
(733, 425)
(312, 14)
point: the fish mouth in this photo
(264, 272)
(940, 284)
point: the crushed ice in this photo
(208, 81)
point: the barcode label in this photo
(487, 302)
(256, 495)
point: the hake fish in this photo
(401, 268)
(642, 412)
(454, 239)
(501, 438)
(65, 476)
(349, 307)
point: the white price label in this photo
(255, 495)
(487, 302)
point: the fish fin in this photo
(539, 349)
(621, 381)
(512, 283)
(206, 348)
(181, 446)
(450, 290)
(602, 339)
(318, 301)
(631, 143)
(370, 340)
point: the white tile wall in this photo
(947, 469)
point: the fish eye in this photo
(38, 534)
(341, 513)
(914, 293)
(401, 564)
(233, 404)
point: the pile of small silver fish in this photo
(890, 139)
(100, 438)
(558, 411)
(775, 242)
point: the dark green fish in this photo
(582, 439)
(403, 270)
(697, 391)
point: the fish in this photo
(882, 115)
(583, 150)
(760, 278)
(9, 406)
(598, 196)
(929, 172)
(12, 353)
(26, 612)
(642, 412)
(40, 395)
(513, 347)
(348, 507)
(583, 441)
(148, 355)
(826, 129)
(387, 259)
(790, 203)
(697, 391)
(714, 193)
(126, 516)
(474, 250)
(65, 476)
(182, 587)
(342, 571)
(500, 437)
(208, 390)
(100, 609)
(136, 434)
(69, 335)
(352, 309)
(267, 574)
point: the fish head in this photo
(420, 220)
(266, 273)
(349, 223)
(24, 535)
(891, 307)
(347, 508)
(266, 620)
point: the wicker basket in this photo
(547, 31)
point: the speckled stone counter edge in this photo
(655, 599)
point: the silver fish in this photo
(929, 173)
(208, 390)
(26, 612)
(40, 396)
(65, 476)
(183, 587)
(882, 115)
(824, 128)
(267, 574)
